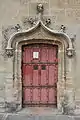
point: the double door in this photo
(39, 75)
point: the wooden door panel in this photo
(51, 74)
(27, 56)
(36, 97)
(27, 95)
(43, 76)
(52, 54)
(44, 54)
(27, 79)
(52, 94)
(35, 76)
(44, 97)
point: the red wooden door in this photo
(40, 75)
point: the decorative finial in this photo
(62, 28)
(40, 8)
(48, 22)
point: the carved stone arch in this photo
(69, 49)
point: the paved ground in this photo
(37, 114)
(7, 116)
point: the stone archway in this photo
(39, 33)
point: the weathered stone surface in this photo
(1, 116)
(65, 12)
(33, 11)
(21, 117)
(73, 13)
(39, 117)
(76, 118)
(69, 3)
(59, 14)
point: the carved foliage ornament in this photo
(9, 52)
(34, 24)
(7, 32)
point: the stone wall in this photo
(61, 12)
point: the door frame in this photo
(61, 65)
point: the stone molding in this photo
(35, 23)
(69, 50)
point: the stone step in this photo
(36, 117)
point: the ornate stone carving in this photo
(7, 32)
(70, 52)
(32, 21)
(17, 27)
(11, 107)
(63, 28)
(29, 22)
(35, 23)
(73, 40)
(48, 21)
(9, 52)
(40, 8)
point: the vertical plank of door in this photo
(36, 95)
(26, 95)
(52, 54)
(27, 75)
(43, 76)
(52, 94)
(27, 55)
(35, 76)
(44, 54)
(51, 74)
(39, 83)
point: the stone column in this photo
(9, 84)
(61, 80)
(17, 79)
(69, 103)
